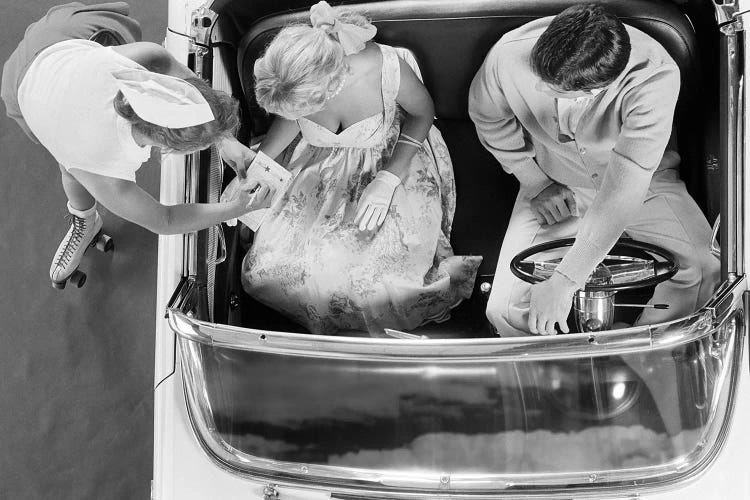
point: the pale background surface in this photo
(76, 366)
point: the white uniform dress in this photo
(66, 99)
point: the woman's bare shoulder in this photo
(367, 60)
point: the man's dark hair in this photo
(584, 47)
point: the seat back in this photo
(450, 40)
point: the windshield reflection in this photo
(610, 412)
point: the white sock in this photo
(83, 214)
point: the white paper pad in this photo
(266, 170)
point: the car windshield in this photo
(263, 404)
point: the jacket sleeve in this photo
(498, 129)
(648, 111)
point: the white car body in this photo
(183, 470)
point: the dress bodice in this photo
(369, 132)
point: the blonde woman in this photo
(99, 110)
(360, 241)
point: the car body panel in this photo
(182, 468)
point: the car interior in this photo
(450, 40)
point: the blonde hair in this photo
(301, 67)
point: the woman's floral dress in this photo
(309, 261)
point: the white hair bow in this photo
(162, 99)
(351, 37)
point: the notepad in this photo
(264, 169)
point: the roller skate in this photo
(85, 232)
(107, 38)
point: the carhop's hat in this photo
(163, 100)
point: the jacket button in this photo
(582, 150)
(594, 175)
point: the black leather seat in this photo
(450, 40)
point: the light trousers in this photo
(669, 218)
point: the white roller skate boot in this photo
(85, 229)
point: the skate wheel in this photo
(105, 243)
(60, 285)
(78, 278)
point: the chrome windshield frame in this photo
(613, 342)
(363, 483)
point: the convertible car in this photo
(250, 406)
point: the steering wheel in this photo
(595, 312)
(665, 264)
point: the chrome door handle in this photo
(222, 245)
(222, 251)
(715, 248)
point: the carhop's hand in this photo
(550, 303)
(236, 155)
(375, 201)
(255, 196)
(554, 204)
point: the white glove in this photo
(375, 200)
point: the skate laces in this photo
(74, 238)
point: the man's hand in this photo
(236, 155)
(550, 303)
(554, 204)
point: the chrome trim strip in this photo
(189, 253)
(725, 297)
(728, 156)
(738, 183)
(184, 297)
(651, 337)
(192, 178)
(613, 342)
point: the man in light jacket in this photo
(579, 108)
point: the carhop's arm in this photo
(154, 57)
(649, 111)
(498, 129)
(126, 199)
